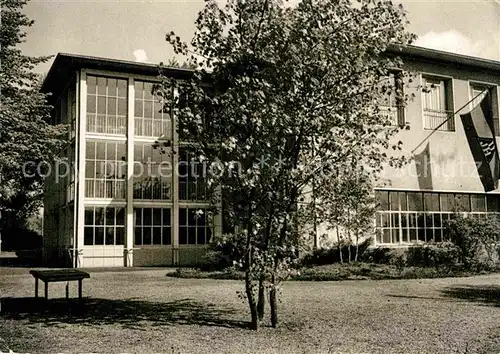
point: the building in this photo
(128, 209)
(117, 216)
(444, 176)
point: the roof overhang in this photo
(427, 55)
(65, 66)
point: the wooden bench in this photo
(59, 275)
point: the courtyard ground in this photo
(144, 311)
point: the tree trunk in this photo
(338, 242)
(254, 324)
(249, 283)
(349, 236)
(261, 302)
(273, 303)
(357, 247)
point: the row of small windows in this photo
(437, 102)
(152, 226)
(413, 217)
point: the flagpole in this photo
(451, 116)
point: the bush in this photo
(383, 255)
(476, 239)
(214, 260)
(221, 256)
(323, 256)
(440, 255)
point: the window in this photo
(106, 105)
(437, 104)
(151, 118)
(392, 104)
(194, 228)
(191, 175)
(417, 217)
(152, 226)
(152, 173)
(481, 91)
(105, 169)
(104, 226)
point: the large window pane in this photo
(415, 202)
(106, 171)
(103, 107)
(462, 202)
(478, 203)
(150, 120)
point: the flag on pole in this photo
(479, 130)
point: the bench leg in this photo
(46, 290)
(67, 291)
(80, 281)
(36, 287)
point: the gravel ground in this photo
(145, 311)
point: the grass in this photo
(336, 272)
(143, 311)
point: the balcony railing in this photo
(152, 189)
(433, 118)
(192, 191)
(102, 124)
(104, 188)
(390, 112)
(152, 127)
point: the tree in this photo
(283, 96)
(25, 134)
(174, 63)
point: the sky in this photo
(135, 29)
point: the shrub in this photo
(323, 256)
(214, 260)
(383, 255)
(440, 255)
(221, 255)
(474, 238)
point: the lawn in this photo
(144, 311)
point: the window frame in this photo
(448, 100)
(189, 228)
(165, 118)
(93, 182)
(94, 226)
(165, 240)
(117, 129)
(398, 105)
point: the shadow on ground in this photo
(484, 294)
(133, 314)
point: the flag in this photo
(479, 130)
